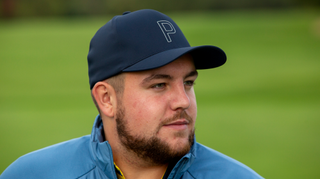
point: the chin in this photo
(181, 144)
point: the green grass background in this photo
(262, 107)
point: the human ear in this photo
(104, 95)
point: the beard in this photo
(152, 149)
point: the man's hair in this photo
(117, 82)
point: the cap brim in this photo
(204, 57)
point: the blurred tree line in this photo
(21, 8)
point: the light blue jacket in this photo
(90, 157)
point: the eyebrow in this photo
(165, 76)
(193, 73)
(156, 76)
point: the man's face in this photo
(157, 112)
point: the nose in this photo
(180, 98)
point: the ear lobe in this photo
(104, 95)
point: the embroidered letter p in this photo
(167, 29)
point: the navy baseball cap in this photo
(143, 40)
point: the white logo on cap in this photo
(167, 29)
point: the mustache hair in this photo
(177, 116)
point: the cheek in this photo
(142, 105)
(143, 112)
(193, 106)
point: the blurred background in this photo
(22, 8)
(262, 107)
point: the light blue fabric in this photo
(90, 157)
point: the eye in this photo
(189, 83)
(159, 85)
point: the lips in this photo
(178, 122)
(181, 124)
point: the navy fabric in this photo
(90, 157)
(143, 40)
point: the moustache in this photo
(177, 116)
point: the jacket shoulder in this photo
(69, 159)
(212, 164)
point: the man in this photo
(141, 72)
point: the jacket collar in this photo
(102, 153)
(184, 163)
(101, 149)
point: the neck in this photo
(134, 170)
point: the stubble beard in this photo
(152, 149)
